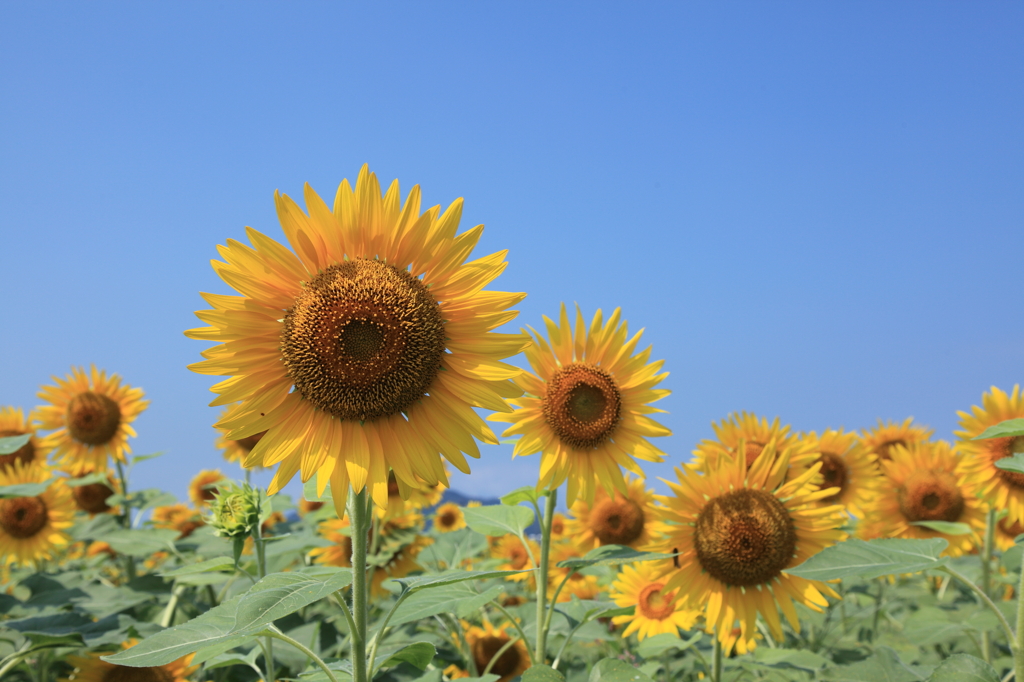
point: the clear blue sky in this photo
(815, 209)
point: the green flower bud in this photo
(235, 511)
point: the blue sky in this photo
(814, 209)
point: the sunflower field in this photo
(362, 357)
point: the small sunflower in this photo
(619, 519)
(925, 482)
(92, 497)
(177, 517)
(203, 487)
(1006, 532)
(586, 408)
(99, 547)
(90, 668)
(486, 641)
(92, 414)
(448, 518)
(366, 347)
(33, 528)
(236, 450)
(747, 433)
(13, 423)
(1002, 489)
(580, 585)
(403, 498)
(881, 439)
(514, 556)
(846, 464)
(558, 522)
(658, 610)
(736, 529)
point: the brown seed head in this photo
(23, 517)
(249, 442)
(930, 496)
(26, 453)
(834, 473)
(654, 604)
(617, 521)
(884, 450)
(486, 647)
(92, 498)
(92, 418)
(582, 405)
(121, 673)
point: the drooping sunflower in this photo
(925, 482)
(658, 611)
(887, 435)
(619, 519)
(33, 528)
(847, 464)
(1002, 489)
(448, 518)
(13, 423)
(92, 414)
(486, 641)
(203, 487)
(747, 433)
(365, 347)
(585, 409)
(514, 556)
(90, 668)
(236, 450)
(736, 529)
(92, 497)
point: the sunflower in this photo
(558, 522)
(750, 434)
(367, 347)
(92, 497)
(846, 464)
(658, 611)
(32, 528)
(404, 498)
(203, 487)
(925, 482)
(614, 519)
(308, 506)
(736, 529)
(582, 586)
(177, 517)
(90, 668)
(484, 644)
(1002, 489)
(1006, 532)
(515, 556)
(237, 450)
(881, 439)
(448, 518)
(92, 414)
(585, 409)
(13, 423)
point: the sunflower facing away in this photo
(1002, 489)
(614, 519)
(92, 414)
(585, 409)
(925, 482)
(736, 530)
(657, 610)
(32, 528)
(90, 668)
(366, 346)
(887, 435)
(846, 464)
(13, 423)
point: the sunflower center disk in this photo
(930, 496)
(484, 650)
(582, 405)
(752, 451)
(518, 558)
(447, 520)
(249, 442)
(92, 498)
(653, 604)
(23, 517)
(122, 673)
(744, 537)
(364, 340)
(92, 418)
(884, 451)
(1008, 447)
(26, 453)
(833, 471)
(617, 522)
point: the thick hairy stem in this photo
(358, 512)
(551, 497)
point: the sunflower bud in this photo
(235, 511)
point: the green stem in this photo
(505, 647)
(1011, 640)
(380, 631)
(986, 577)
(515, 624)
(1017, 644)
(277, 634)
(261, 571)
(340, 597)
(716, 661)
(168, 616)
(126, 518)
(358, 511)
(551, 498)
(878, 608)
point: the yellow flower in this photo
(177, 517)
(90, 668)
(847, 464)
(237, 450)
(403, 498)
(1001, 489)
(736, 529)
(32, 528)
(484, 644)
(881, 439)
(92, 497)
(13, 423)
(586, 408)
(514, 556)
(750, 434)
(614, 519)
(1006, 532)
(203, 487)
(449, 517)
(926, 482)
(366, 347)
(578, 584)
(308, 506)
(92, 414)
(658, 611)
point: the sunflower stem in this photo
(261, 571)
(986, 577)
(1010, 639)
(357, 509)
(716, 660)
(1018, 644)
(273, 633)
(551, 498)
(498, 654)
(126, 518)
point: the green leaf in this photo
(219, 564)
(884, 666)
(542, 673)
(279, 594)
(97, 477)
(449, 549)
(13, 443)
(790, 658)
(1004, 429)
(459, 598)
(525, 494)
(498, 519)
(141, 542)
(578, 610)
(611, 555)
(653, 647)
(947, 527)
(24, 489)
(422, 582)
(229, 659)
(309, 492)
(417, 654)
(1014, 463)
(142, 458)
(614, 670)
(964, 667)
(872, 559)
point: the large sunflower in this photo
(887, 435)
(586, 408)
(90, 668)
(1002, 489)
(614, 519)
(32, 528)
(13, 423)
(846, 464)
(92, 414)
(364, 348)
(736, 529)
(658, 610)
(925, 482)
